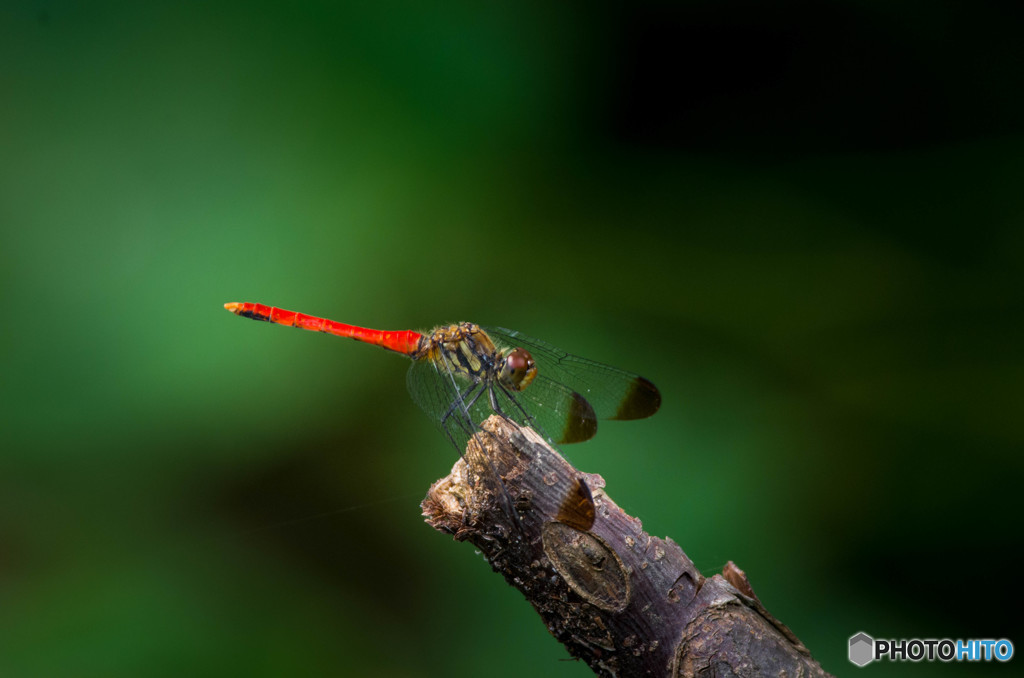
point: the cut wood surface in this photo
(626, 603)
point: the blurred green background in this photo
(803, 221)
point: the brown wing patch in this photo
(642, 400)
(580, 423)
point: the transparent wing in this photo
(447, 399)
(558, 413)
(611, 392)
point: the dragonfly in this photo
(462, 373)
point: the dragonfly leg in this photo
(494, 399)
(460, 408)
(473, 401)
(459, 401)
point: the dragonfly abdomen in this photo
(401, 341)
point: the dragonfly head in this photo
(518, 369)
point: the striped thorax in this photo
(467, 350)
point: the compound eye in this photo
(519, 369)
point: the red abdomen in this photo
(402, 341)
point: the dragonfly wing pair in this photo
(571, 393)
(563, 403)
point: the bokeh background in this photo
(803, 221)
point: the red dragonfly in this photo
(462, 373)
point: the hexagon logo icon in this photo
(862, 649)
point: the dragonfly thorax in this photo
(468, 351)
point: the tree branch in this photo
(626, 603)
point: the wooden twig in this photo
(625, 602)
